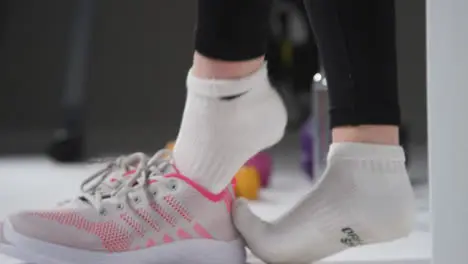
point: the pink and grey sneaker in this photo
(151, 219)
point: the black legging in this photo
(356, 41)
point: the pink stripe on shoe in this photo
(130, 172)
(105, 231)
(150, 243)
(134, 224)
(167, 239)
(165, 215)
(201, 231)
(182, 234)
(178, 207)
(206, 193)
(148, 219)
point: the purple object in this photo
(306, 148)
(263, 163)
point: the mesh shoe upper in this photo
(166, 209)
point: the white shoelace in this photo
(155, 167)
(98, 182)
(91, 186)
(123, 163)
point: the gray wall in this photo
(141, 51)
(411, 46)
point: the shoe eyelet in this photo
(155, 193)
(172, 185)
(103, 211)
(136, 199)
(120, 206)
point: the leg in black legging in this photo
(364, 195)
(232, 30)
(356, 41)
(231, 111)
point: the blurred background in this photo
(134, 74)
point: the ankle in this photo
(204, 67)
(373, 134)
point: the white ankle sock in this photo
(218, 136)
(364, 197)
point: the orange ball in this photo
(247, 183)
(170, 145)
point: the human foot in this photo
(160, 220)
(364, 197)
(225, 123)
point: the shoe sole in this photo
(23, 256)
(194, 251)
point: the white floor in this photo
(38, 183)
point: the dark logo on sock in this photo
(232, 97)
(351, 239)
